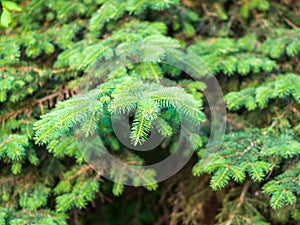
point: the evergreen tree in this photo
(47, 48)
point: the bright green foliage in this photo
(126, 96)
(282, 86)
(277, 188)
(282, 42)
(6, 16)
(229, 57)
(113, 10)
(48, 48)
(253, 4)
(255, 154)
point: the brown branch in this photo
(292, 25)
(279, 117)
(294, 110)
(36, 70)
(67, 92)
(234, 123)
(84, 169)
(240, 202)
(207, 12)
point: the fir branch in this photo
(63, 94)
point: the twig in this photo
(67, 92)
(290, 23)
(240, 202)
(33, 69)
(208, 13)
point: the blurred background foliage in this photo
(251, 46)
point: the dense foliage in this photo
(47, 47)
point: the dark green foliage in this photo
(48, 47)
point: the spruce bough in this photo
(252, 48)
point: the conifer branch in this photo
(65, 93)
